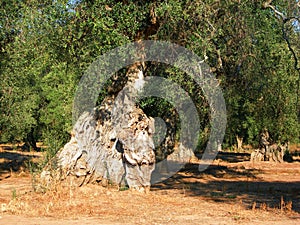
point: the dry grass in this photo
(228, 193)
(111, 205)
(91, 201)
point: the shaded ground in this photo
(259, 185)
(231, 191)
(14, 160)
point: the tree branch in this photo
(285, 20)
(268, 5)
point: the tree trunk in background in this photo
(30, 141)
(239, 141)
(274, 153)
(113, 143)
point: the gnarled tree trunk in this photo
(274, 153)
(112, 143)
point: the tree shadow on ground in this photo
(11, 161)
(227, 183)
(232, 157)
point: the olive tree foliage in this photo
(263, 82)
(19, 90)
(37, 85)
(245, 48)
(47, 45)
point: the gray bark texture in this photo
(267, 151)
(111, 144)
(274, 153)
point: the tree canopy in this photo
(251, 46)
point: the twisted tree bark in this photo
(274, 153)
(112, 143)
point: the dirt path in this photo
(228, 192)
(21, 220)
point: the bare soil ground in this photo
(231, 191)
